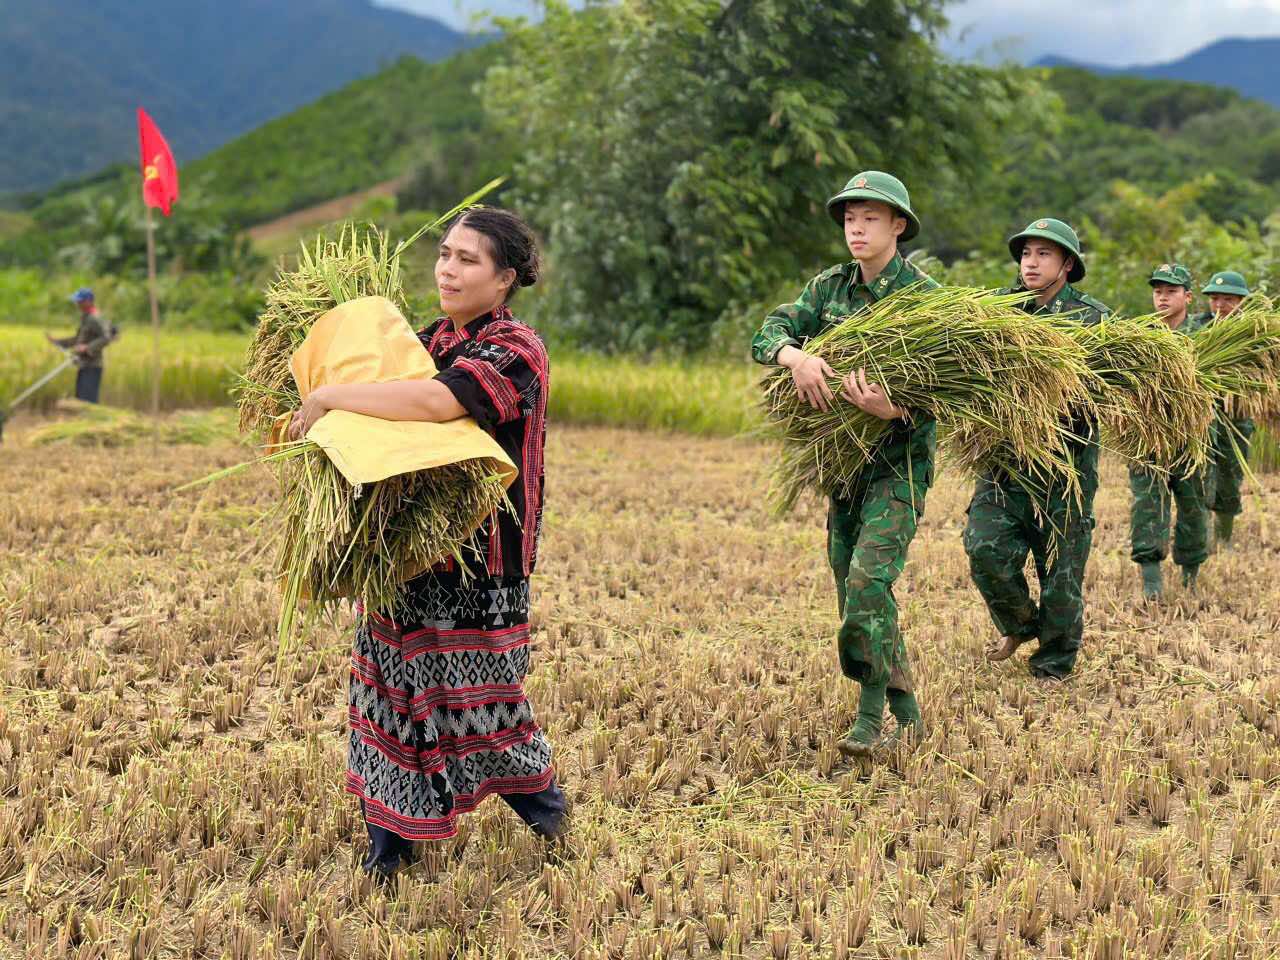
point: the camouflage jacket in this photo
(829, 297)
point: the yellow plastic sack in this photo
(369, 341)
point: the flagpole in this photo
(155, 313)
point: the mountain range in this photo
(75, 70)
(1250, 66)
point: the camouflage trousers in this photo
(1003, 528)
(1228, 474)
(1151, 512)
(867, 540)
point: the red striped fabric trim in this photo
(504, 330)
(441, 828)
(368, 674)
(451, 698)
(409, 757)
(401, 754)
(492, 742)
(466, 698)
(524, 342)
(448, 641)
(499, 388)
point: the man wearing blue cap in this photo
(87, 345)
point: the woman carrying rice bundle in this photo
(1007, 522)
(439, 716)
(1156, 493)
(1226, 290)
(870, 529)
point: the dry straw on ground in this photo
(164, 796)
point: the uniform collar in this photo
(1057, 304)
(886, 282)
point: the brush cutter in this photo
(5, 412)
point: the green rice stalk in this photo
(997, 380)
(341, 541)
(1152, 407)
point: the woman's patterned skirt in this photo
(439, 716)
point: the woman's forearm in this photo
(423, 400)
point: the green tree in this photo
(678, 153)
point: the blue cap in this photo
(81, 295)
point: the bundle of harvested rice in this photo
(341, 540)
(997, 379)
(1238, 360)
(1151, 406)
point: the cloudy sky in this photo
(1112, 32)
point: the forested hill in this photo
(1250, 66)
(75, 70)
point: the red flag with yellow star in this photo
(159, 172)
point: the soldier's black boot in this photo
(1189, 575)
(906, 711)
(1223, 526)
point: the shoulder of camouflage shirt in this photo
(919, 275)
(1091, 302)
(834, 273)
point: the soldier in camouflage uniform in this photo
(1154, 492)
(1226, 291)
(868, 532)
(1006, 522)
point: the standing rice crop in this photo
(1151, 406)
(996, 378)
(338, 541)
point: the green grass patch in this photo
(199, 368)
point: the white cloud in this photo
(1111, 32)
(462, 14)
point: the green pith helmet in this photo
(876, 185)
(1172, 273)
(1055, 231)
(1227, 281)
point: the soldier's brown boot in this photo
(1004, 648)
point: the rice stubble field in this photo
(166, 791)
